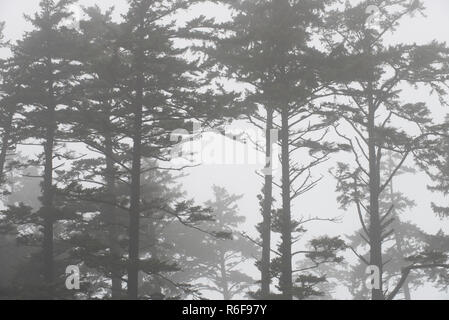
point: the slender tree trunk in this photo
(134, 221)
(267, 205)
(47, 201)
(47, 186)
(224, 278)
(110, 215)
(375, 228)
(286, 272)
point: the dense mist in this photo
(224, 150)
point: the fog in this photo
(243, 179)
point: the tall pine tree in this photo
(371, 76)
(46, 60)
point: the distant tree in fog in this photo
(212, 264)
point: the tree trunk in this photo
(47, 202)
(267, 205)
(134, 221)
(375, 228)
(110, 215)
(47, 188)
(286, 284)
(224, 278)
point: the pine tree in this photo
(5, 123)
(8, 110)
(96, 123)
(436, 165)
(405, 240)
(270, 50)
(164, 92)
(371, 74)
(210, 263)
(45, 59)
(168, 221)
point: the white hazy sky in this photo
(241, 179)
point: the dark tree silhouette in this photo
(371, 74)
(44, 57)
(268, 47)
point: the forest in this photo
(224, 149)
